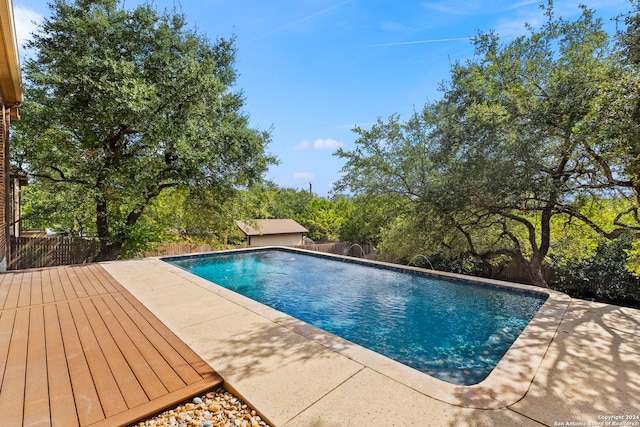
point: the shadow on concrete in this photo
(592, 368)
(269, 348)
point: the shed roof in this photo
(261, 227)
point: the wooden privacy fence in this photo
(364, 250)
(339, 248)
(176, 248)
(36, 252)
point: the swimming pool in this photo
(452, 330)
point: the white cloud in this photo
(512, 28)
(307, 176)
(326, 144)
(26, 21)
(319, 144)
(438, 7)
(423, 41)
(301, 20)
(479, 7)
(523, 3)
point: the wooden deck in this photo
(77, 349)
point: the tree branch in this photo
(608, 173)
(62, 178)
(632, 231)
(135, 214)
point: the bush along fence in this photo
(37, 252)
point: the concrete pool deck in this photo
(590, 371)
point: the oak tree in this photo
(124, 103)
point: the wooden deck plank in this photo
(56, 284)
(77, 285)
(11, 301)
(167, 401)
(13, 383)
(165, 344)
(36, 405)
(84, 390)
(87, 353)
(47, 287)
(61, 401)
(127, 383)
(193, 360)
(5, 285)
(161, 368)
(24, 297)
(106, 279)
(110, 397)
(86, 275)
(36, 287)
(140, 366)
(110, 284)
(91, 287)
(7, 318)
(70, 291)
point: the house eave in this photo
(10, 74)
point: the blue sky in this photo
(311, 70)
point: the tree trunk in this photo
(536, 274)
(109, 249)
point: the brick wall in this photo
(5, 219)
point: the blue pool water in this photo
(452, 330)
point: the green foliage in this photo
(366, 217)
(195, 214)
(511, 151)
(124, 103)
(323, 218)
(633, 258)
(283, 202)
(59, 207)
(402, 240)
(573, 239)
(138, 238)
(603, 275)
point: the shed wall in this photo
(276, 240)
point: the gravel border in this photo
(217, 408)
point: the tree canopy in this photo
(525, 133)
(124, 103)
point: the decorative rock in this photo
(217, 408)
(185, 418)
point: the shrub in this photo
(604, 276)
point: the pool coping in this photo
(508, 382)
